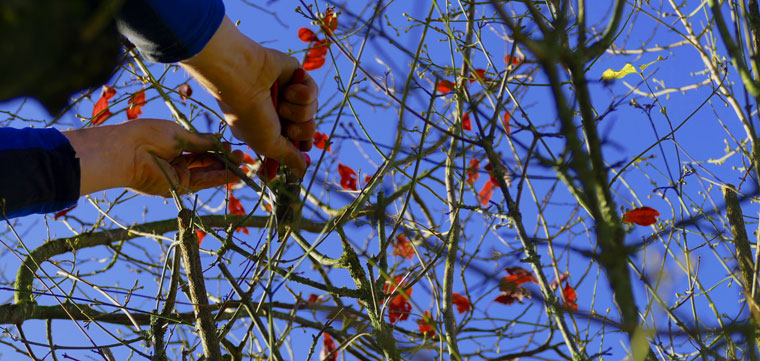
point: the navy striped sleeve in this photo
(41, 172)
(170, 31)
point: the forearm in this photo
(41, 172)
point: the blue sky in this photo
(626, 131)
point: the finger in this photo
(287, 153)
(182, 183)
(196, 142)
(306, 145)
(205, 160)
(297, 113)
(302, 93)
(203, 178)
(301, 131)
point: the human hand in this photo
(147, 155)
(239, 74)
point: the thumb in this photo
(287, 64)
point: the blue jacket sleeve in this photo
(170, 31)
(41, 172)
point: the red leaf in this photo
(570, 296)
(472, 171)
(466, 122)
(62, 213)
(101, 112)
(507, 116)
(399, 307)
(185, 91)
(306, 35)
(235, 207)
(247, 159)
(509, 60)
(478, 74)
(402, 247)
(331, 22)
(519, 275)
(510, 288)
(242, 229)
(486, 192)
(462, 302)
(313, 297)
(136, 101)
(319, 50)
(107, 92)
(367, 178)
(200, 235)
(313, 63)
(347, 177)
(444, 86)
(644, 216)
(329, 349)
(321, 140)
(426, 325)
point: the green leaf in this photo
(610, 74)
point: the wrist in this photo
(100, 158)
(229, 66)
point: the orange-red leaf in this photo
(313, 63)
(510, 60)
(100, 111)
(321, 140)
(247, 159)
(444, 86)
(200, 235)
(399, 306)
(329, 349)
(644, 216)
(507, 116)
(462, 302)
(519, 275)
(347, 177)
(331, 22)
(466, 122)
(235, 207)
(426, 325)
(306, 35)
(402, 247)
(472, 171)
(478, 74)
(510, 286)
(107, 92)
(570, 296)
(135, 103)
(486, 192)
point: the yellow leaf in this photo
(610, 74)
(650, 63)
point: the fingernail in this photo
(307, 158)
